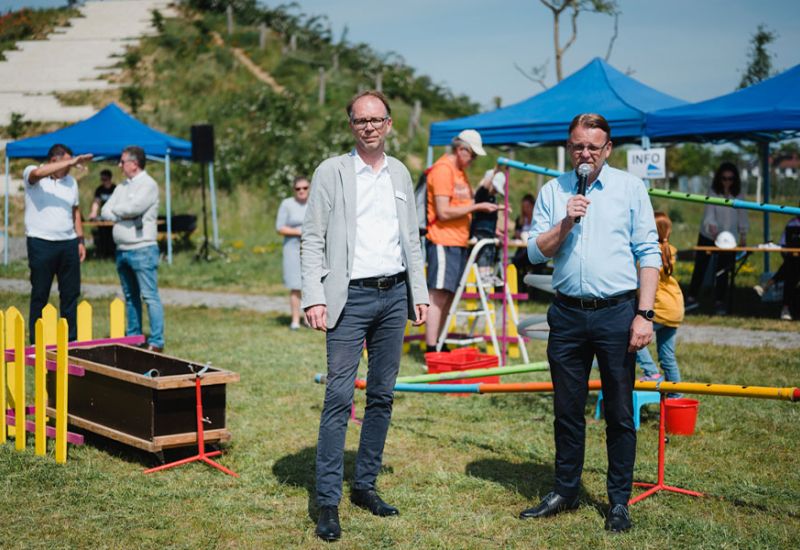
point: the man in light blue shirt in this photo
(599, 263)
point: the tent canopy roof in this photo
(770, 107)
(106, 133)
(596, 88)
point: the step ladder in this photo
(472, 317)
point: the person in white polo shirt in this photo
(54, 235)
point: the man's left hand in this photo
(641, 333)
(81, 252)
(422, 314)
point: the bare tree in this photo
(573, 8)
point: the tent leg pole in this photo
(169, 207)
(5, 216)
(763, 149)
(429, 159)
(214, 227)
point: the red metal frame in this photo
(201, 455)
(660, 485)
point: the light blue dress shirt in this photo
(599, 256)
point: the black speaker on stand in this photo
(203, 153)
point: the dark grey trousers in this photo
(379, 317)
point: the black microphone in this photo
(583, 175)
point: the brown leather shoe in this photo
(155, 349)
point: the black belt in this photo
(381, 283)
(595, 303)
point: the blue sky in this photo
(692, 49)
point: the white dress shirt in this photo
(377, 252)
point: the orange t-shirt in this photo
(445, 179)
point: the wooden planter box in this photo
(117, 400)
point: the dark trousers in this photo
(725, 262)
(576, 336)
(379, 317)
(789, 273)
(47, 259)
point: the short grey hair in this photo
(136, 153)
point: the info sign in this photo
(648, 163)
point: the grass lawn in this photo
(459, 469)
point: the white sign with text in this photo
(648, 163)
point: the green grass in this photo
(460, 469)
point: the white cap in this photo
(473, 139)
(499, 183)
(725, 239)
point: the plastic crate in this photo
(461, 359)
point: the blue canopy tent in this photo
(764, 112)
(544, 118)
(105, 134)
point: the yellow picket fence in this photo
(50, 331)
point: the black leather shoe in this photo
(328, 528)
(369, 500)
(618, 519)
(551, 505)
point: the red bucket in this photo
(681, 415)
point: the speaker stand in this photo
(204, 252)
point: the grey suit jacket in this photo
(329, 235)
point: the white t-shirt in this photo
(48, 207)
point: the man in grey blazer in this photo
(362, 279)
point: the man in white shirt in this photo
(54, 235)
(133, 207)
(362, 280)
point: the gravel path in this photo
(697, 334)
(174, 297)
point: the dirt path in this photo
(254, 69)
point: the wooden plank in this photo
(19, 378)
(30, 426)
(218, 376)
(110, 433)
(84, 321)
(39, 394)
(221, 435)
(158, 443)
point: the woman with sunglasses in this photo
(716, 219)
(289, 224)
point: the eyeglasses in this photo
(361, 123)
(301, 188)
(123, 161)
(579, 148)
(472, 154)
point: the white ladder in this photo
(482, 312)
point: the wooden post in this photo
(512, 280)
(335, 62)
(116, 318)
(321, 97)
(379, 81)
(262, 36)
(49, 320)
(9, 381)
(84, 321)
(61, 392)
(413, 123)
(40, 400)
(19, 383)
(293, 43)
(229, 14)
(2, 378)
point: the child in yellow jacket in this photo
(669, 311)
